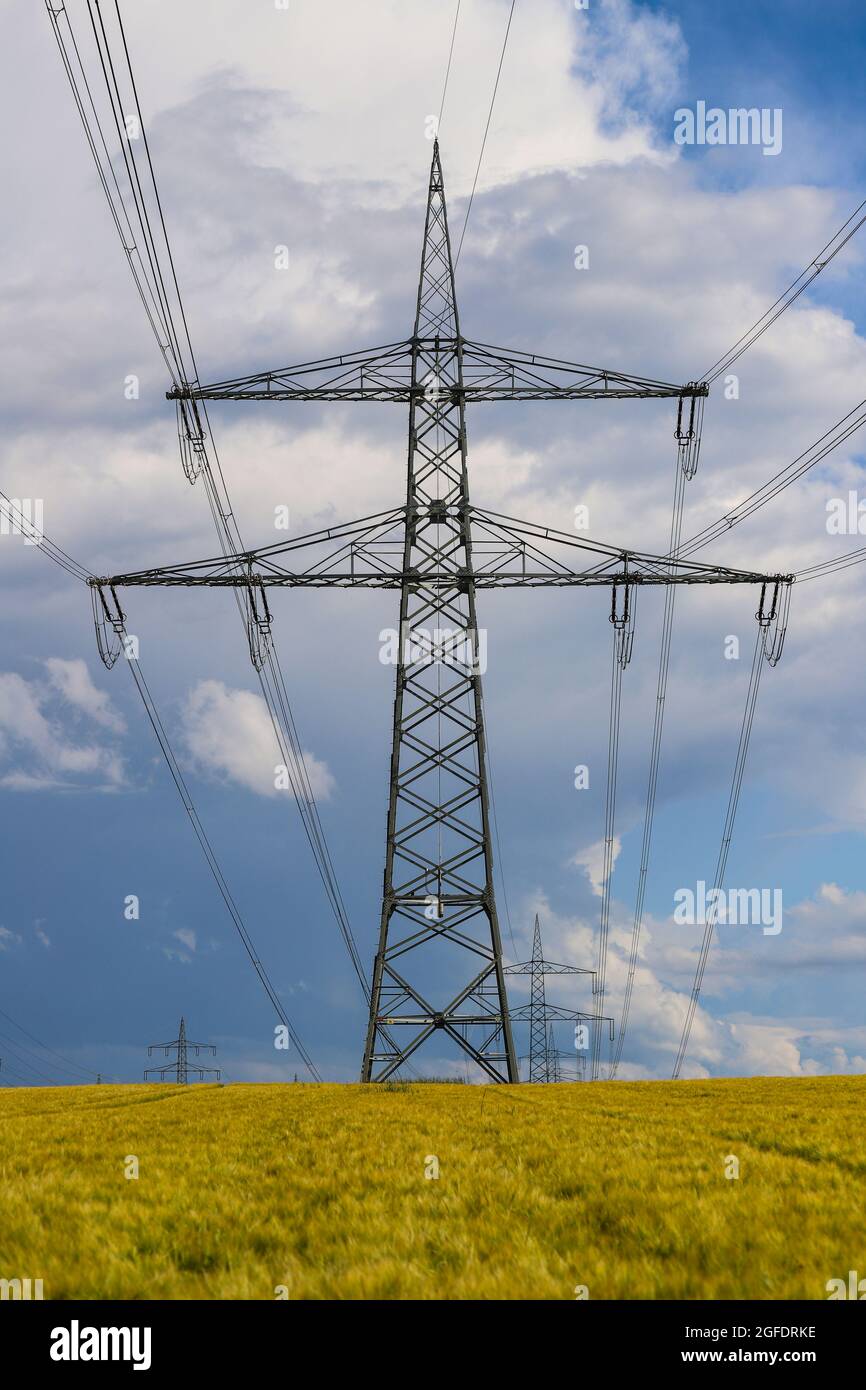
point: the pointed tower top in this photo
(537, 956)
(436, 315)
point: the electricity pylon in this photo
(538, 1013)
(181, 1045)
(553, 1069)
(557, 1056)
(438, 963)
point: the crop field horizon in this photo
(620, 1190)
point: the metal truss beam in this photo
(489, 374)
(507, 553)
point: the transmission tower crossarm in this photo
(507, 374)
(180, 1066)
(489, 374)
(503, 579)
(521, 1012)
(372, 374)
(368, 553)
(550, 968)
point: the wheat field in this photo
(611, 1190)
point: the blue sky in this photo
(263, 135)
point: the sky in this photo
(307, 127)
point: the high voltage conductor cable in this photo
(830, 440)
(225, 507)
(189, 807)
(11, 1045)
(227, 511)
(155, 186)
(309, 812)
(86, 1071)
(22, 1062)
(486, 129)
(11, 509)
(838, 562)
(146, 291)
(790, 295)
(139, 201)
(785, 300)
(448, 68)
(279, 708)
(724, 847)
(232, 541)
(221, 510)
(13, 1085)
(213, 863)
(655, 756)
(275, 697)
(623, 632)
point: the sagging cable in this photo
(655, 758)
(772, 615)
(622, 618)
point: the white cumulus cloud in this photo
(229, 733)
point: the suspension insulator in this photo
(622, 615)
(685, 431)
(688, 431)
(190, 438)
(258, 623)
(767, 605)
(619, 608)
(772, 616)
(108, 621)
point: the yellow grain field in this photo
(322, 1192)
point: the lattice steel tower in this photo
(539, 1013)
(538, 1060)
(438, 964)
(180, 1066)
(438, 861)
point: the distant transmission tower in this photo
(539, 1014)
(557, 1056)
(180, 1066)
(553, 1069)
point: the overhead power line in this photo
(790, 295)
(24, 526)
(66, 1061)
(183, 369)
(838, 433)
(448, 70)
(772, 653)
(655, 757)
(78, 571)
(212, 862)
(832, 566)
(623, 638)
(486, 129)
